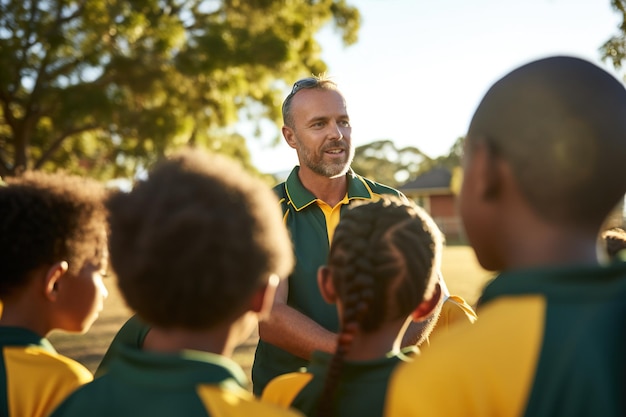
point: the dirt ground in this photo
(90, 347)
(463, 276)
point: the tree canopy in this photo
(388, 164)
(614, 49)
(384, 162)
(103, 86)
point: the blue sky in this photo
(420, 67)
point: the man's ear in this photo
(428, 306)
(325, 284)
(52, 279)
(263, 298)
(290, 136)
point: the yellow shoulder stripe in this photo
(283, 389)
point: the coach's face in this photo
(321, 132)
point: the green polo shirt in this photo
(360, 391)
(34, 378)
(187, 383)
(311, 223)
(548, 342)
(132, 333)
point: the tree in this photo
(383, 161)
(105, 86)
(386, 163)
(454, 157)
(615, 48)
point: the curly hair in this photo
(47, 218)
(383, 259)
(192, 242)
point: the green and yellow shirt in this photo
(549, 342)
(361, 386)
(132, 333)
(311, 223)
(34, 378)
(189, 383)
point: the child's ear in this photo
(325, 284)
(485, 165)
(53, 276)
(263, 298)
(492, 173)
(428, 306)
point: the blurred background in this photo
(103, 88)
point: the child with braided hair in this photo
(382, 273)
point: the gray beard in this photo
(329, 170)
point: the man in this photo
(317, 126)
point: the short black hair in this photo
(559, 123)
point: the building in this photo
(436, 191)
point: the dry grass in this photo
(462, 273)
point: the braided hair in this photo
(382, 259)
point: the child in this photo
(52, 260)
(197, 248)
(382, 273)
(544, 166)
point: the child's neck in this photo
(557, 248)
(22, 312)
(214, 340)
(376, 344)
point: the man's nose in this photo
(335, 131)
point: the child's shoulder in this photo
(284, 388)
(45, 362)
(218, 398)
(41, 378)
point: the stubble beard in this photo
(315, 162)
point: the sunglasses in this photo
(308, 82)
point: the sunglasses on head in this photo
(303, 83)
(308, 82)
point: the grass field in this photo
(462, 273)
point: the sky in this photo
(420, 67)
